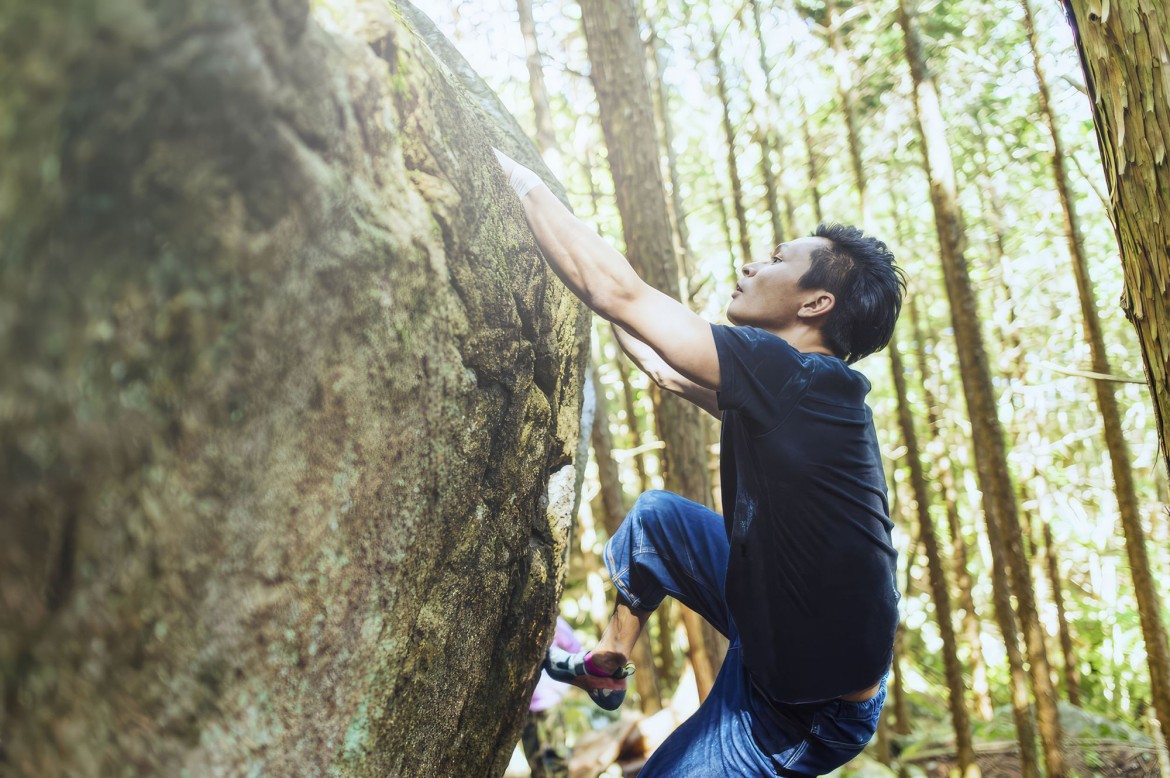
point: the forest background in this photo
(772, 118)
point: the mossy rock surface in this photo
(289, 407)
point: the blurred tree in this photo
(766, 137)
(745, 239)
(614, 510)
(623, 97)
(939, 594)
(999, 503)
(546, 139)
(960, 720)
(656, 56)
(1072, 682)
(1148, 597)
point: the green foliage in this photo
(1018, 257)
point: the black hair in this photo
(860, 273)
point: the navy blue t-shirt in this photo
(811, 579)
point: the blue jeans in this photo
(669, 545)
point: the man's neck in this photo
(806, 340)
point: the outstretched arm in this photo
(604, 281)
(650, 363)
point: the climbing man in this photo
(799, 572)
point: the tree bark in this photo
(811, 155)
(745, 240)
(843, 68)
(1000, 510)
(623, 97)
(1072, 681)
(614, 508)
(945, 469)
(964, 747)
(290, 402)
(632, 425)
(1125, 53)
(1157, 120)
(678, 215)
(900, 706)
(546, 137)
(766, 129)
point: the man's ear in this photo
(818, 306)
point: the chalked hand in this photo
(521, 179)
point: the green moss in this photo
(355, 748)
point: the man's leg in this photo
(617, 642)
(670, 546)
(667, 545)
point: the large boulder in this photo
(289, 402)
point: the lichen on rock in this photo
(285, 384)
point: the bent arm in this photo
(653, 365)
(604, 280)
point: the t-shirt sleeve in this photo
(760, 375)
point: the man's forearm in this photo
(646, 358)
(591, 268)
(652, 364)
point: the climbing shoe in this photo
(578, 670)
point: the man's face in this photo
(768, 294)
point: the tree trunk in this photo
(1072, 681)
(1001, 264)
(1000, 511)
(678, 215)
(843, 68)
(632, 424)
(972, 634)
(811, 155)
(725, 226)
(1157, 114)
(745, 240)
(964, 748)
(613, 505)
(945, 468)
(664, 646)
(1125, 53)
(882, 746)
(789, 205)
(546, 138)
(276, 450)
(623, 97)
(900, 706)
(613, 500)
(766, 130)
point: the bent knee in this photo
(652, 504)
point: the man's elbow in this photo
(613, 301)
(667, 380)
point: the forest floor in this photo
(1088, 758)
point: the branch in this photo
(1095, 376)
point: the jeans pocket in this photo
(840, 731)
(846, 727)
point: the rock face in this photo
(288, 408)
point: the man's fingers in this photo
(521, 179)
(506, 162)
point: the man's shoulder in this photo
(755, 341)
(835, 371)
